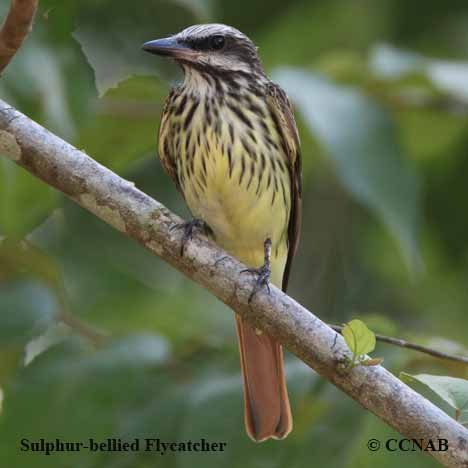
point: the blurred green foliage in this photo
(118, 344)
(453, 391)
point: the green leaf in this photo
(361, 140)
(358, 337)
(24, 200)
(47, 90)
(112, 43)
(121, 390)
(27, 308)
(23, 260)
(452, 390)
(393, 63)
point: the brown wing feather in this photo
(282, 111)
(165, 141)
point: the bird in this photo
(229, 141)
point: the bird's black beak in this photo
(169, 47)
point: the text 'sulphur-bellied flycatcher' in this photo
(229, 141)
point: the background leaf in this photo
(24, 200)
(449, 76)
(361, 141)
(452, 390)
(26, 310)
(112, 45)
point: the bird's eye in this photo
(217, 42)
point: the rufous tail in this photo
(266, 404)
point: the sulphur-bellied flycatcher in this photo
(229, 142)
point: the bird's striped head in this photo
(210, 47)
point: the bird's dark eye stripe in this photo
(215, 42)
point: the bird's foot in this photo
(190, 228)
(263, 278)
(263, 273)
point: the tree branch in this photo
(415, 347)
(15, 28)
(118, 203)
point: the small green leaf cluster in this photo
(361, 341)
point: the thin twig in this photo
(15, 28)
(96, 337)
(413, 346)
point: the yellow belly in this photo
(241, 220)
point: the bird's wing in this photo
(165, 142)
(282, 112)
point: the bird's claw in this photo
(263, 278)
(189, 228)
(220, 260)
